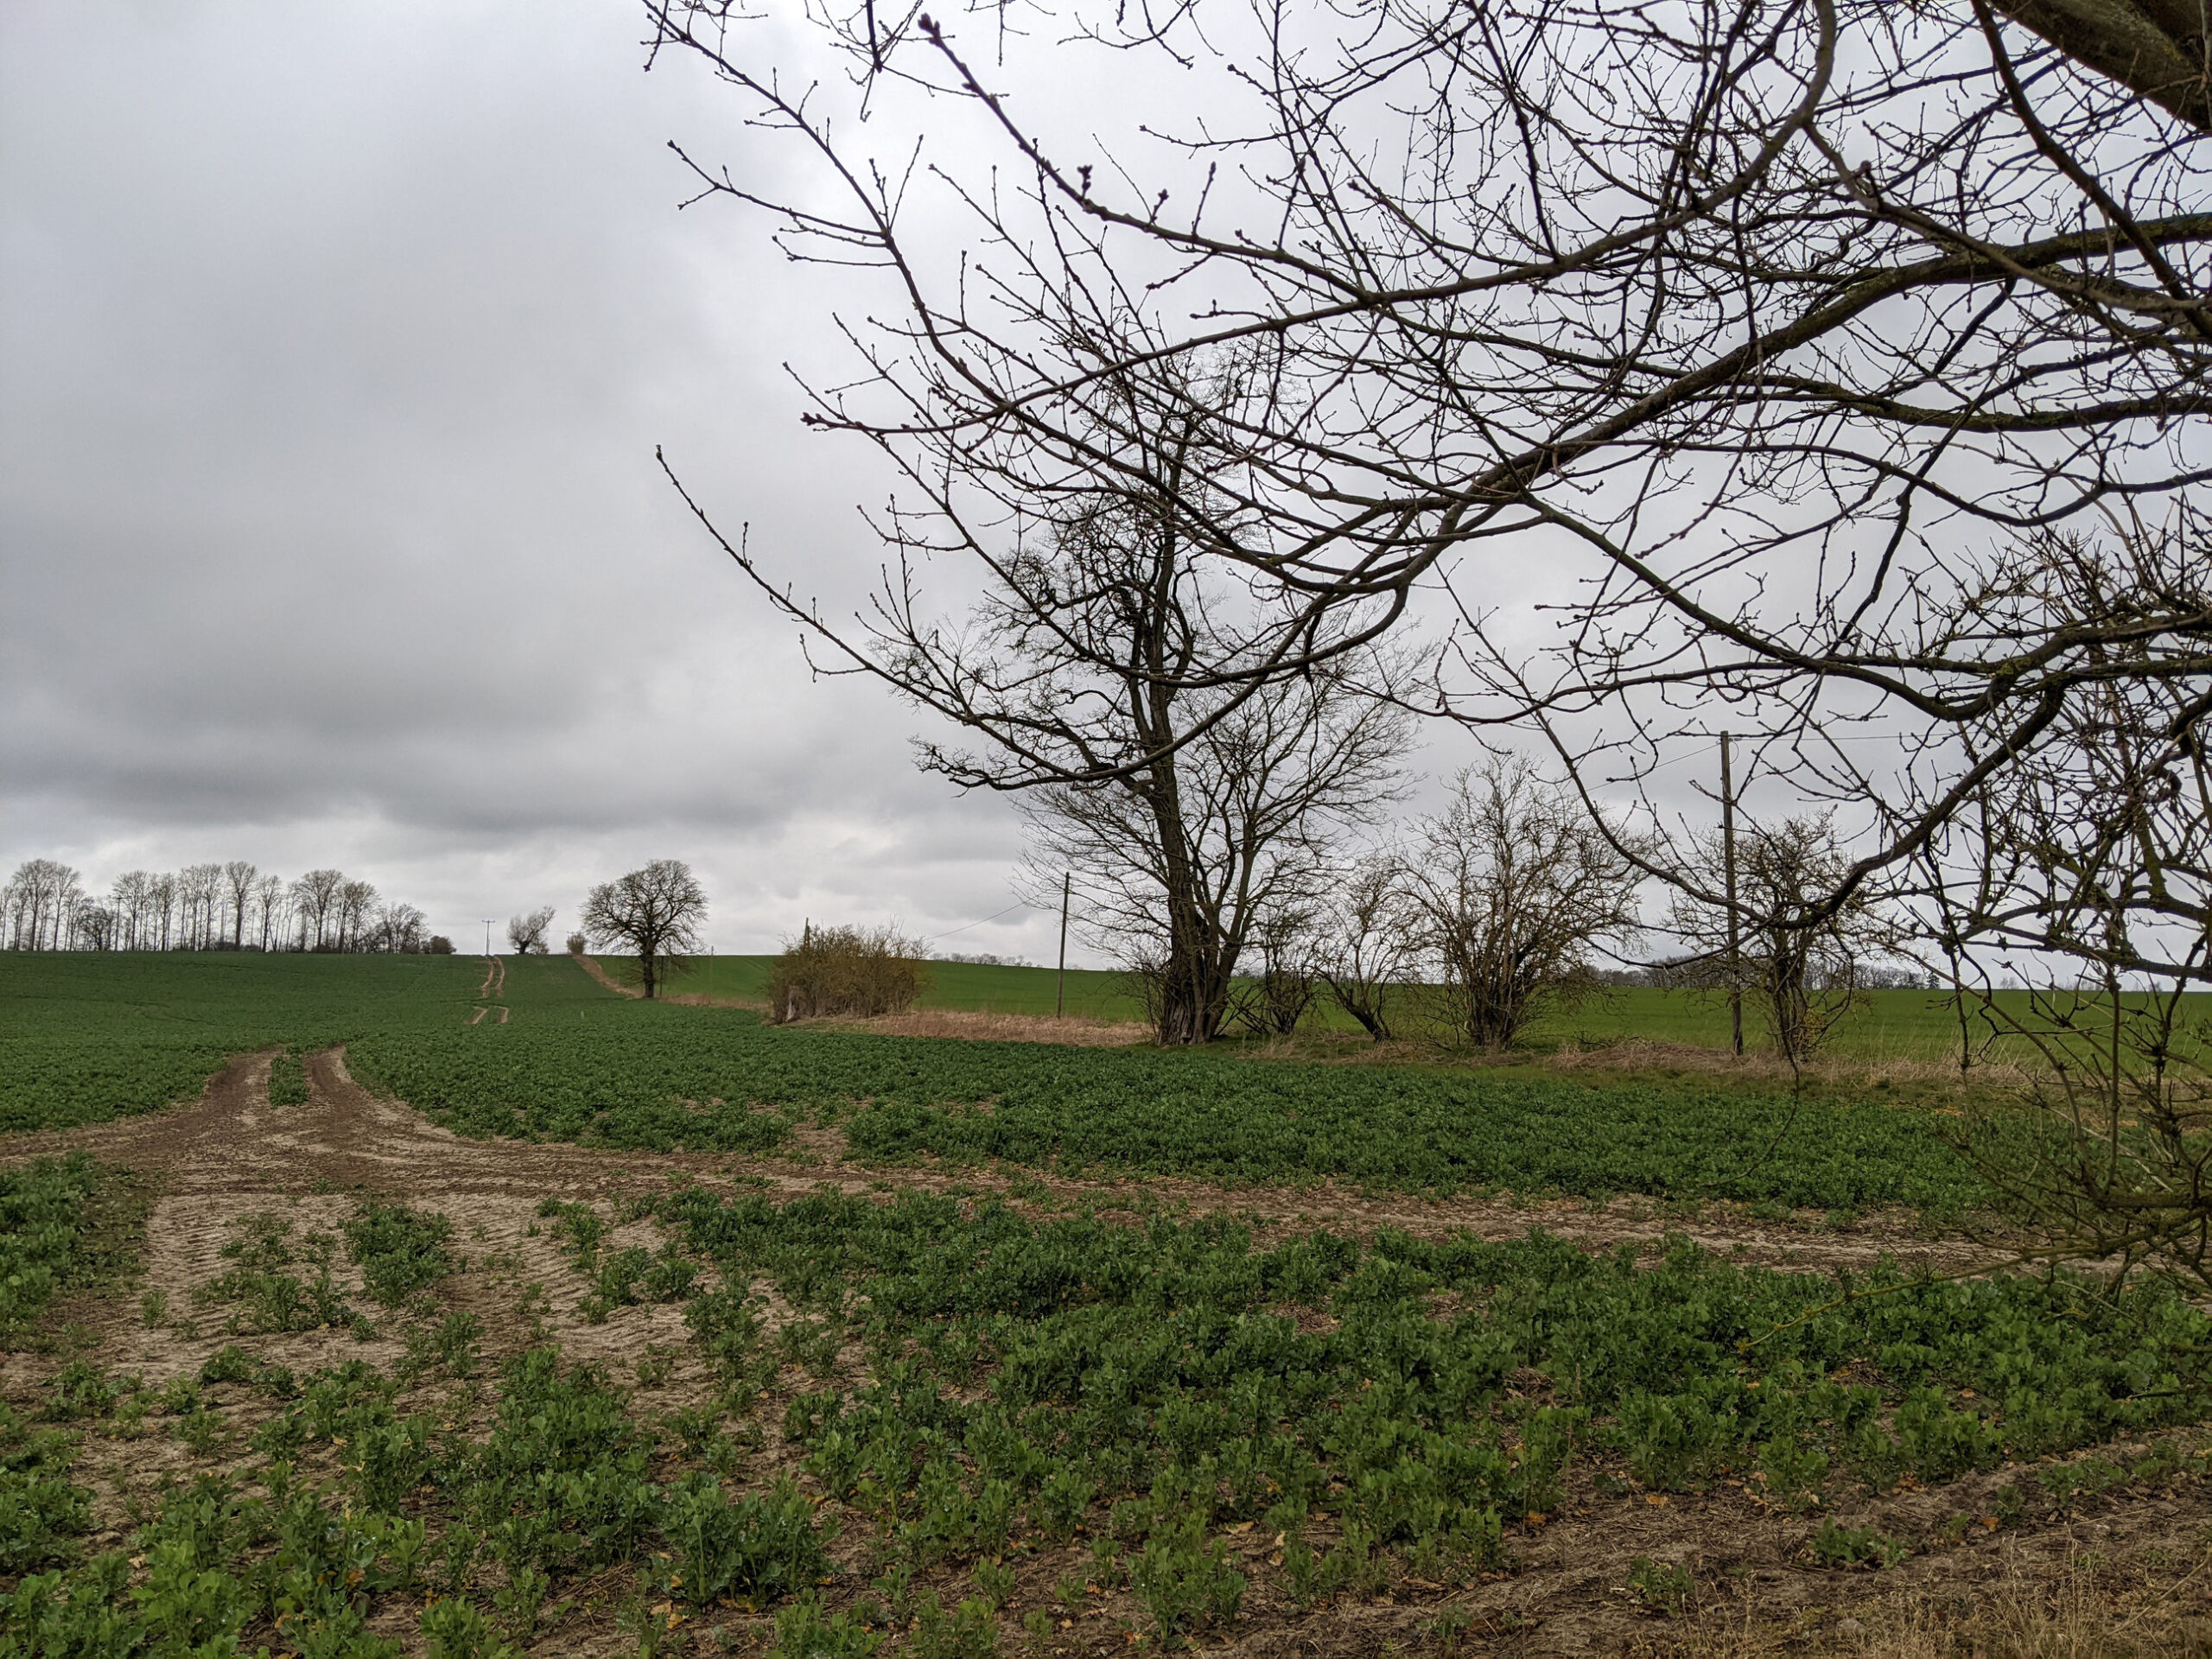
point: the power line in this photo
(933, 938)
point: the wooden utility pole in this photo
(1728, 875)
(1060, 988)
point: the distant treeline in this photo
(1709, 974)
(233, 906)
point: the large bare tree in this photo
(1782, 332)
(654, 913)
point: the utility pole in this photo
(1060, 988)
(1728, 875)
(487, 936)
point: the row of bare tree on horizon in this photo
(230, 907)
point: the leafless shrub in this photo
(862, 971)
(1365, 944)
(1512, 891)
(1275, 1001)
(1796, 948)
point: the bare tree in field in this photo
(1771, 342)
(1107, 675)
(314, 900)
(239, 879)
(653, 913)
(38, 903)
(1513, 889)
(356, 904)
(1798, 955)
(397, 927)
(527, 933)
(127, 897)
(1366, 946)
(162, 898)
(94, 926)
(199, 889)
(269, 901)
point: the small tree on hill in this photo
(527, 933)
(653, 913)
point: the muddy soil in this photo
(1569, 1587)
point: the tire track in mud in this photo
(495, 984)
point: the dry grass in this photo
(995, 1028)
(2083, 1606)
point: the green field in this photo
(1220, 1432)
(1890, 1026)
(86, 1036)
(970, 986)
(91, 1036)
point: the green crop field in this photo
(951, 1425)
(968, 987)
(88, 1036)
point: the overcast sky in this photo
(337, 341)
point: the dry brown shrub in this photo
(860, 972)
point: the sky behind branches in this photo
(335, 343)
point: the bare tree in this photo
(1798, 954)
(1772, 329)
(1366, 948)
(199, 889)
(1513, 889)
(527, 933)
(2081, 883)
(269, 901)
(397, 927)
(654, 913)
(37, 904)
(315, 900)
(356, 905)
(161, 903)
(239, 879)
(1106, 672)
(93, 925)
